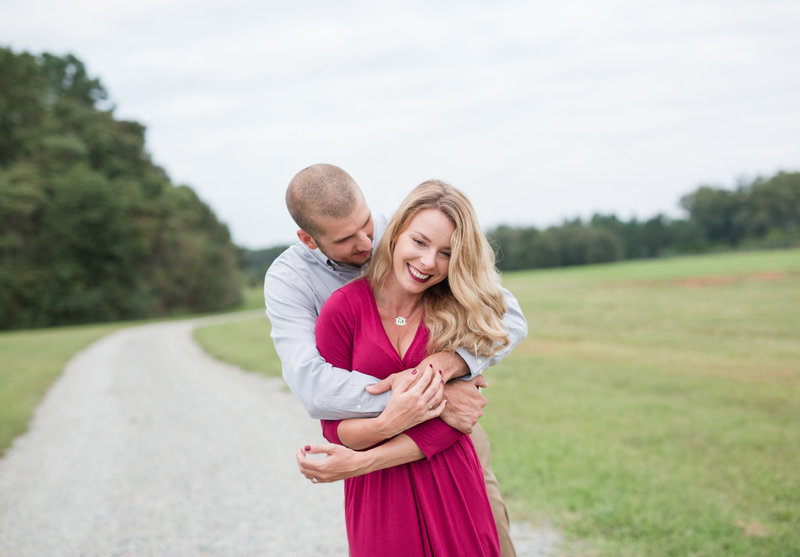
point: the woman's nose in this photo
(426, 259)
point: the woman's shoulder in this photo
(352, 293)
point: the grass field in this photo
(31, 361)
(245, 344)
(654, 408)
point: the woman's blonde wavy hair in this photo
(466, 309)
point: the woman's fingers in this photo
(424, 380)
(437, 411)
(339, 463)
(313, 467)
(434, 392)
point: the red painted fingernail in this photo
(430, 365)
(440, 372)
(414, 372)
(442, 381)
(307, 447)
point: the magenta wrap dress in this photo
(436, 506)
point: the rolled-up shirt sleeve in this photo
(517, 328)
(326, 392)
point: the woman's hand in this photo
(338, 463)
(417, 397)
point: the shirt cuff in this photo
(362, 404)
(476, 364)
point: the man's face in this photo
(349, 239)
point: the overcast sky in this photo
(539, 111)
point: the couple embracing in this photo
(386, 346)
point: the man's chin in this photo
(359, 260)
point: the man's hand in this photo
(464, 403)
(449, 364)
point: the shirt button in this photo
(358, 406)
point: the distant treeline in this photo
(254, 263)
(761, 214)
(90, 228)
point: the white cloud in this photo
(538, 112)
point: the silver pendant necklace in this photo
(401, 321)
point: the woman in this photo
(431, 286)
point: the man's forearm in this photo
(326, 392)
(517, 328)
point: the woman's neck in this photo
(400, 304)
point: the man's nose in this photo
(364, 242)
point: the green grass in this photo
(32, 360)
(252, 298)
(243, 343)
(654, 408)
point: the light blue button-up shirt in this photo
(295, 287)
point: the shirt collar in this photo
(330, 263)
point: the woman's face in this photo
(421, 255)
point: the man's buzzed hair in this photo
(320, 190)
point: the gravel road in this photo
(146, 446)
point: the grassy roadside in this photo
(32, 360)
(654, 408)
(243, 343)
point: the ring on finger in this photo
(314, 480)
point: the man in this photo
(336, 237)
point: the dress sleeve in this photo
(433, 436)
(334, 333)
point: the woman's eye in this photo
(419, 242)
(446, 254)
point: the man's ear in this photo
(306, 239)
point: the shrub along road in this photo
(147, 446)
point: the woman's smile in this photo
(416, 274)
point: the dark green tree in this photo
(719, 213)
(90, 228)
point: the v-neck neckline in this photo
(377, 315)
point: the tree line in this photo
(764, 213)
(90, 228)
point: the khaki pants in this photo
(482, 447)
